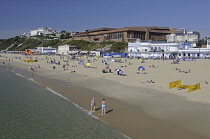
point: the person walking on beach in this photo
(103, 103)
(93, 105)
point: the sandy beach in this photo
(134, 107)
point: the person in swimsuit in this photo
(93, 105)
(103, 103)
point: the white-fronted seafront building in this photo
(48, 49)
(158, 49)
(42, 31)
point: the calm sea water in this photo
(29, 111)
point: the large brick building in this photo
(126, 34)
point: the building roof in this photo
(99, 29)
(154, 29)
(82, 33)
(151, 27)
(179, 34)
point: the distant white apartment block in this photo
(186, 36)
(73, 33)
(42, 31)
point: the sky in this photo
(20, 16)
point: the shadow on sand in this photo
(109, 111)
(106, 111)
(98, 108)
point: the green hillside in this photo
(20, 44)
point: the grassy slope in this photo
(20, 44)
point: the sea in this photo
(31, 111)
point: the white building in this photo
(63, 50)
(73, 33)
(95, 53)
(164, 49)
(42, 31)
(46, 50)
(190, 36)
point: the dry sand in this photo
(139, 110)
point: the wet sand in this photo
(136, 111)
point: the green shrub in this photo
(118, 47)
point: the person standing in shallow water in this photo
(103, 103)
(93, 105)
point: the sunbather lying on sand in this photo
(151, 81)
(153, 66)
(175, 62)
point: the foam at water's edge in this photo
(87, 111)
(18, 74)
(56, 93)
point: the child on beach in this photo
(93, 105)
(103, 107)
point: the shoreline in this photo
(129, 117)
(126, 128)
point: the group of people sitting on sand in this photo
(120, 72)
(175, 62)
(33, 68)
(107, 69)
(74, 64)
(124, 65)
(64, 66)
(142, 61)
(153, 66)
(183, 71)
(105, 62)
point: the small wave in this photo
(16, 73)
(31, 79)
(20, 75)
(13, 70)
(90, 113)
(56, 93)
(87, 111)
